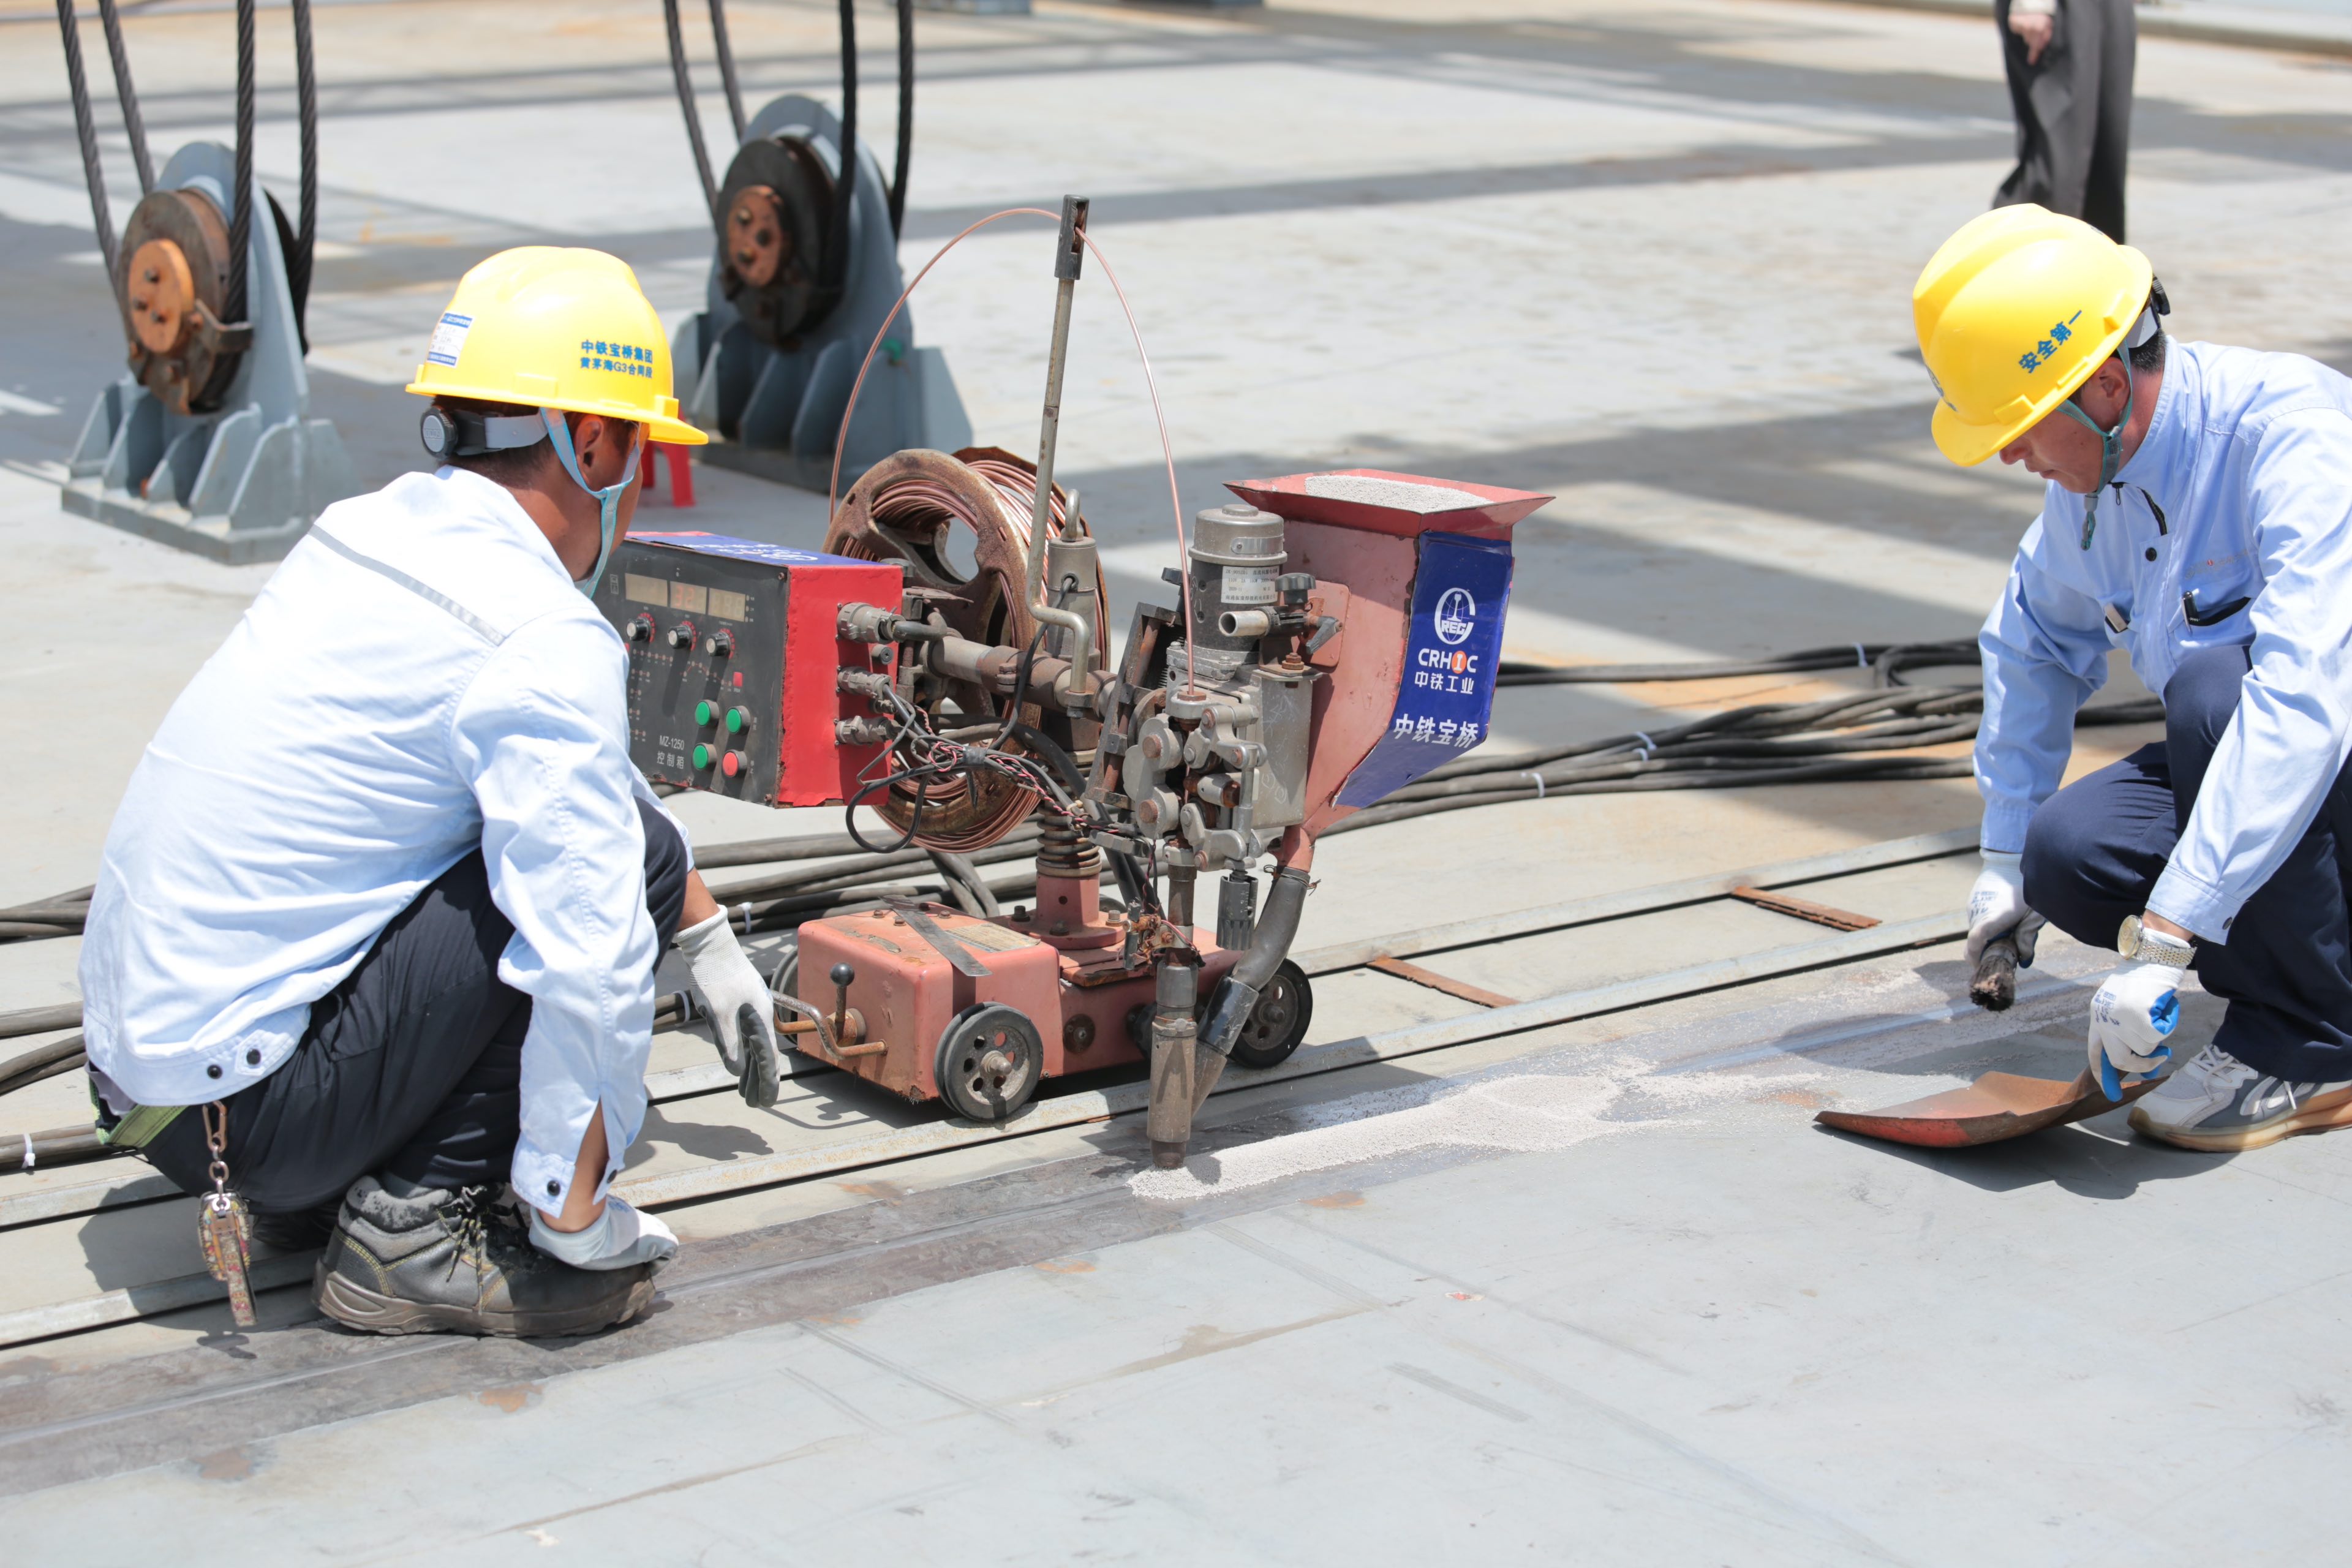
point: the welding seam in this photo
(1101, 1105)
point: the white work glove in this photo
(2130, 1017)
(1997, 908)
(732, 991)
(621, 1237)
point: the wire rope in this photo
(240, 227)
(727, 67)
(686, 104)
(905, 116)
(85, 132)
(306, 227)
(134, 126)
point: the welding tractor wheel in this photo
(991, 1061)
(1279, 1020)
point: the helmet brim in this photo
(660, 427)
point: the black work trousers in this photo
(2073, 112)
(412, 1066)
(2097, 846)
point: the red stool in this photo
(681, 472)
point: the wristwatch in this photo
(2134, 941)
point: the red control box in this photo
(735, 655)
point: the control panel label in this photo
(1454, 640)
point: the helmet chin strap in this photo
(608, 499)
(2111, 441)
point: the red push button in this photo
(733, 762)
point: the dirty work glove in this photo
(742, 1012)
(621, 1237)
(2130, 1017)
(1997, 908)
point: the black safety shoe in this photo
(460, 1262)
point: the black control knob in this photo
(639, 629)
(681, 635)
(719, 644)
(1294, 588)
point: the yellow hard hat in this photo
(556, 327)
(2014, 313)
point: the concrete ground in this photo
(1653, 259)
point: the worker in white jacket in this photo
(2198, 517)
(379, 913)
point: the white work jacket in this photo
(419, 680)
(2231, 525)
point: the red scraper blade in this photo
(1997, 1107)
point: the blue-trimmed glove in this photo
(2130, 1017)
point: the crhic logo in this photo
(1456, 617)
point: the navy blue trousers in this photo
(2097, 846)
(412, 1066)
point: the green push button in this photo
(706, 711)
(737, 721)
(704, 756)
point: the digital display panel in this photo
(691, 597)
(641, 589)
(729, 606)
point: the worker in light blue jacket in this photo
(2198, 517)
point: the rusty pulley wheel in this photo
(775, 221)
(175, 286)
(991, 1060)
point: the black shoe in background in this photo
(460, 1262)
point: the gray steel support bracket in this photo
(239, 484)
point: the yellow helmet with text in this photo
(557, 327)
(2014, 313)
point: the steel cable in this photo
(85, 132)
(905, 116)
(726, 51)
(134, 126)
(306, 230)
(686, 102)
(240, 228)
(836, 259)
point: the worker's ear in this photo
(603, 446)
(2102, 396)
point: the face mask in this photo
(608, 499)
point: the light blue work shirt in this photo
(419, 680)
(2231, 525)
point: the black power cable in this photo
(134, 127)
(240, 227)
(86, 131)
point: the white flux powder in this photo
(1523, 1114)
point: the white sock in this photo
(620, 1237)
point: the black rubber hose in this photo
(685, 103)
(306, 225)
(38, 1021)
(964, 881)
(727, 67)
(133, 125)
(1237, 994)
(240, 226)
(906, 115)
(837, 261)
(1848, 656)
(86, 130)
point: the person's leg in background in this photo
(2102, 189)
(2056, 101)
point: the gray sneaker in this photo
(460, 1262)
(2219, 1104)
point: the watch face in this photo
(2127, 939)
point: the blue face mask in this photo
(608, 499)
